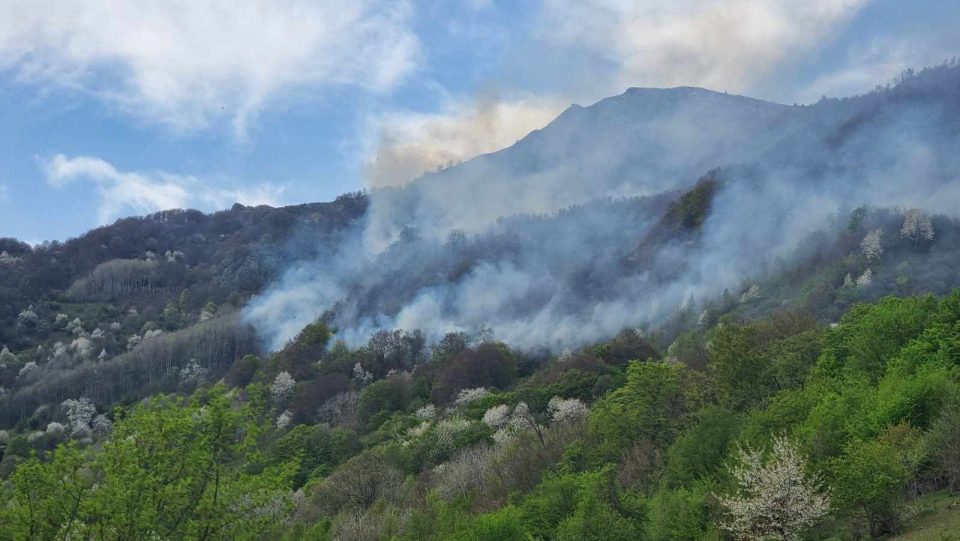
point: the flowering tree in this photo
(917, 226)
(193, 373)
(282, 386)
(870, 246)
(284, 420)
(497, 417)
(80, 413)
(567, 409)
(426, 412)
(466, 396)
(775, 499)
(751, 294)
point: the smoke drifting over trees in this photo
(566, 236)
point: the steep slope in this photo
(783, 172)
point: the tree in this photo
(870, 246)
(80, 414)
(647, 407)
(868, 479)
(282, 386)
(7, 358)
(943, 445)
(917, 226)
(172, 469)
(775, 497)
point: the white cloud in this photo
(410, 144)
(718, 44)
(186, 63)
(124, 193)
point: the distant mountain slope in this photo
(785, 172)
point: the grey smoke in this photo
(534, 242)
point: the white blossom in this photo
(98, 334)
(284, 420)
(775, 498)
(522, 417)
(870, 246)
(497, 417)
(193, 373)
(282, 386)
(101, 425)
(134, 341)
(75, 326)
(27, 369)
(426, 412)
(55, 428)
(447, 429)
(865, 279)
(80, 413)
(28, 317)
(83, 347)
(103, 355)
(503, 436)
(115, 326)
(566, 409)
(4, 437)
(751, 294)
(362, 376)
(61, 317)
(465, 396)
(916, 226)
(848, 280)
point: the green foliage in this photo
(871, 334)
(647, 407)
(316, 449)
(699, 451)
(316, 333)
(381, 398)
(680, 514)
(872, 402)
(868, 480)
(172, 468)
(693, 207)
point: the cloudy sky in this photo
(112, 108)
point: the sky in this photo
(112, 108)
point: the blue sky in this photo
(113, 109)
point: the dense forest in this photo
(769, 428)
(752, 337)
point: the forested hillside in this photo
(674, 314)
(773, 428)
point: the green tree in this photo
(173, 468)
(868, 481)
(647, 407)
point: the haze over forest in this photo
(418, 270)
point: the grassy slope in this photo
(938, 519)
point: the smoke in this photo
(410, 144)
(560, 240)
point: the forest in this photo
(750, 338)
(769, 428)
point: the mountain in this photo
(575, 274)
(674, 314)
